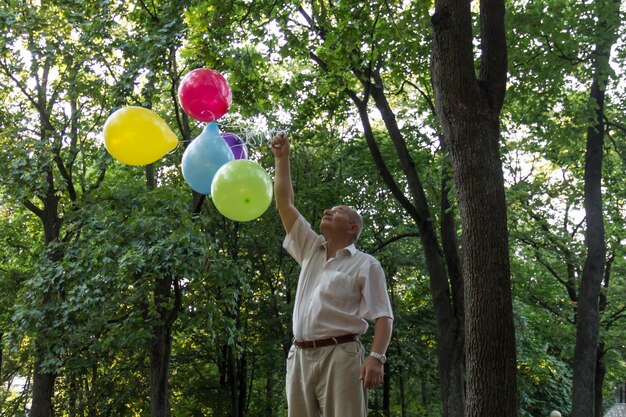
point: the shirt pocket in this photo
(338, 288)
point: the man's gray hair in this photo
(356, 218)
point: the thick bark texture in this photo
(468, 109)
(160, 353)
(43, 392)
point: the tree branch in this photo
(379, 161)
(33, 208)
(391, 240)
(556, 313)
(493, 64)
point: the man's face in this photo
(337, 220)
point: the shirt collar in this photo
(350, 249)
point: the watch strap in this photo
(381, 358)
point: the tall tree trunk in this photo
(43, 386)
(161, 344)
(448, 308)
(588, 320)
(449, 315)
(160, 353)
(452, 336)
(588, 314)
(43, 392)
(242, 377)
(600, 365)
(599, 380)
(469, 109)
(44, 380)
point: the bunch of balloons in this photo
(214, 163)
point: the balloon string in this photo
(250, 137)
(253, 137)
(176, 147)
(208, 112)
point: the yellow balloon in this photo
(138, 136)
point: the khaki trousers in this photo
(324, 382)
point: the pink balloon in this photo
(205, 94)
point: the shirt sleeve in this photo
(300, 240)
(376, 301)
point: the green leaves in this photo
(289, 65)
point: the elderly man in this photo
(339, 289)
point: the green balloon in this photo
(241, 190)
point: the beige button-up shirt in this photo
(337, 296)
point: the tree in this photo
(45, 68)
(577, 51)
(587, 324)
(468, 107)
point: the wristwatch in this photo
(381, 358)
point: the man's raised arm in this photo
(283, 189)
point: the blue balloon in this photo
(203, 157)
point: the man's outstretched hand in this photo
(280, 145)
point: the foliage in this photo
(118, 238)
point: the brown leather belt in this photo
(309, 344)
